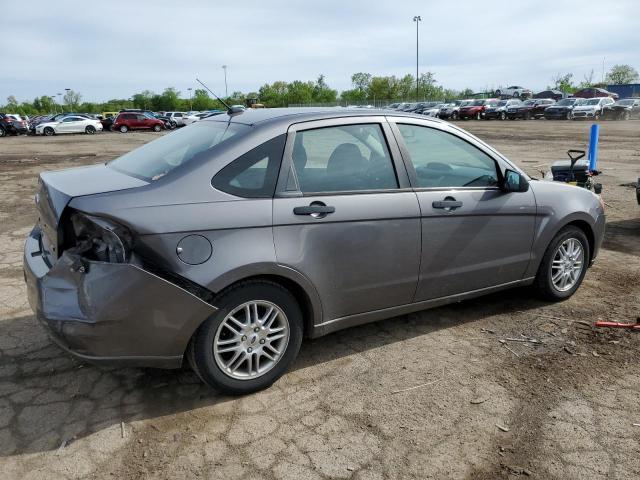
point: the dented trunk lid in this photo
(57, 189)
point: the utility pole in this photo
(417, 19)
(190, 99)
(67, 90)
(226, 91)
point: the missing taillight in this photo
(100, 239)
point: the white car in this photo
(513, 91)
(192, 117)
(435, 110)
(590, 107)
(70, 124)
(177, 117)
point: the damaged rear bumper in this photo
(115, 313)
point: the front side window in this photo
(157, 158)
(343, 158)
(443, 160)
(255, 173)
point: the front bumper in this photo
(584, 114)
(114, 313)
(556, 114)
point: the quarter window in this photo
(254, 174)
(343, 158)
(443, 160)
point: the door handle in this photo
(314, 209)
(447, 204)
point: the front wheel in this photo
(503, 116)
(478, 116)
(564, 264)
(123, 129)
(2, 132)
(48, 131)
(250, 341)
(156, 128)
(454, 116)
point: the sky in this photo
(117, 48)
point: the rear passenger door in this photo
(474, 235)
(345, 217)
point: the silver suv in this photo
(228, 241)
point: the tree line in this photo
(365, 88)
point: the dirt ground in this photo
(428, 395)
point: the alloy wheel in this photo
(251, 340)
(567, 264)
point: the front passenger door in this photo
(474, 235)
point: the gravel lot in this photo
(563, 409)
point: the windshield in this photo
(530, 102)
(566, 101)
(592, 101)
(157, 158)
(502, 103)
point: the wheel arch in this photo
(588, 231)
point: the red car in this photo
(136, 121)
(476, 108)
(593, 92)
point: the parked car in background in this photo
(593, 92)
(69, 124)
(499, 110)
(433, 110)
(453, 111)
(513, 91)
(392, 106)
(9, 125)
(554, 94)
(476, 108)
(590, 108)
(532, 108)
(177, 117)
(137, 121)
(562, 109)
(624, 109)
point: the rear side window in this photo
(254, 174)
(443, 160)
(344, 158)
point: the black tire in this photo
(454, 116)
(48, 131)
(123, 129)
(478, 116)
(157, 128)
(200, 352)
(2, 132)
(568, 116)
(90, 130)
(543, 283)
(516, 94)
(503, 115)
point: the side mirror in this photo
(514, 182)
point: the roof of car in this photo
(297, 114)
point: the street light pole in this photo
(226, 91)
(417, 19)
(190, 102)
(68, 90)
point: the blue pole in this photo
(593, 147)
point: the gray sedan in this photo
(226, 242)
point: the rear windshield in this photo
(157, 158)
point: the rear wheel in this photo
(123, 129)
(90, 130)
(250, 341)
(564, 264)
(48, 131)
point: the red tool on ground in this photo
(630, 326)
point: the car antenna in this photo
(230, 110)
